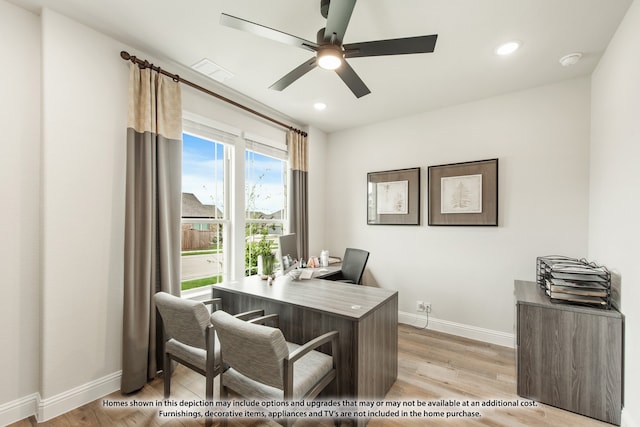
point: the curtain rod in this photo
(146, 64)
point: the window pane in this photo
(202, 177)
(265, 185)
(203, 257)
(203, 193)
(265, 202)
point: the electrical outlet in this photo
(420, 306)
(427, 307)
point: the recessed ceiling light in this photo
(319, 106)
(508, 48)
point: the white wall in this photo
(615, 184)
(541, 137)
(19, 215)
(84, 98)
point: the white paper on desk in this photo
(306, 274)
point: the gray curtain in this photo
(298, 204)
(152, 223)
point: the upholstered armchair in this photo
(263, 365)
(189, 337)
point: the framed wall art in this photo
(393, 197)
(464, 193)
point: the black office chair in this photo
(353, 264)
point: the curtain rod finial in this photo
(125, 55)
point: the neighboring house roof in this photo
(193, 208)
(273, 215)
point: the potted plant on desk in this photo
(266, 259)
(268, 265)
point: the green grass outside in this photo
(203, 252)
(197, 283)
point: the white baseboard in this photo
(71, 399)
(46, 409)
(18, 409)
(627, 420)
(459, 329)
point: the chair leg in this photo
(223, 396)
(209, 394)
(209, 386)
(167, 375)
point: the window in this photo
(265, 200)
(212, 237)
(204, 217)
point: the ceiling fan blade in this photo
(295, 74)
(266, 32)
(420, 44)
(338, 19)
(351, 79)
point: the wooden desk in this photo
(322, 272)
(365, 317)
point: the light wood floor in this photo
(432, 366)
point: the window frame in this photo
(278, 152)
(234, 222)
(202, 128)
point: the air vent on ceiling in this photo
(212, 70)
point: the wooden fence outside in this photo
(193, 240)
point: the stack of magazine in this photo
(575, 281)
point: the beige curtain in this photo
(298, 204)
(152, 223)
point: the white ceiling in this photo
(463, 67)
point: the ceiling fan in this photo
(329, 48)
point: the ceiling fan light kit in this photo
(330, 52)
(329, 57)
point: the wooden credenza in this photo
(569, 356)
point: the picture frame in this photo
(463, 193)
(393, 197)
